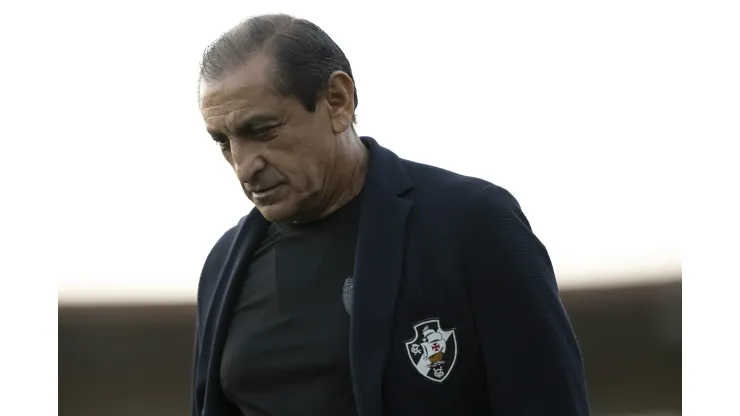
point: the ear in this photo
(341, 100)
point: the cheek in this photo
(304, 158)
(306, 174)
(228, 158)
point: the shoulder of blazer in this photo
(466, 191)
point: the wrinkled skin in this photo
(294, 165)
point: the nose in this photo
(247, 161)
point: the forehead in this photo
(246, 87)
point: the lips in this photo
(264, 192)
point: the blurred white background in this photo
(578, 118)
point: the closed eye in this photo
(259, 133)
(262, 130)
(222, 141)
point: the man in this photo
(361, 283)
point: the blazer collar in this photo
(378, 271)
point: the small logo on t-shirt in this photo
(347, 294)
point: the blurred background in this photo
(570, 106)
(135, 359)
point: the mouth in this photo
(264, 193)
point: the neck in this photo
(348, 174)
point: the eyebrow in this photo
(250, 124)
(247, 125)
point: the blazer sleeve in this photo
(532, 359)
(200, 364)
(197, 383)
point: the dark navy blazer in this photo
(432, 245)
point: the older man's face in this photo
(281, 153)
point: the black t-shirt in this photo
(287, 349)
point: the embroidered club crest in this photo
(433, 351)
(347, 294)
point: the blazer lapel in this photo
(248, 237)
(378, 267)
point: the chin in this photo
(276, 212)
